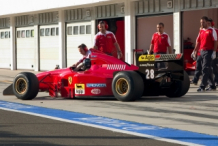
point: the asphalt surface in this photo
(18, 129)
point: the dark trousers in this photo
(215, 68)
(198, 70)
(206, 68)
(161, 64)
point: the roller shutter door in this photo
(77, 33)
(49, 47)
(5, 61)
(25, 48)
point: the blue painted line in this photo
(167, 133)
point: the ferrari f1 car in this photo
(104, 75)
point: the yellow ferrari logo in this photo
(146, 58)
(70, 80)
(79, 88)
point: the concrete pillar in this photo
(93, 31)
(62, 38)
(13, 43)
(36, 39)
(177, 32)
(177, 26)
(129, 30)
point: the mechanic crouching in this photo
(85, 52)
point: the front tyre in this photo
(127, 86)
(26, 86)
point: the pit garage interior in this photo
(46, 39)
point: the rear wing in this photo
(153, 65)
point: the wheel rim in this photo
(21, 86)
(122, 86)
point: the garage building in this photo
(43, 36)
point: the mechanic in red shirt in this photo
(105, 40)
(198, 59)
(160, 41)
(83, 51)
(208, 45)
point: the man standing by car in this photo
(208, 45)
(160, 41)
(198, 59)
(105, 40)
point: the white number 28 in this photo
(149, 74)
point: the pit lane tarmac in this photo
(17, 129)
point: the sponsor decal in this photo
(108, 36)
(147, 65)
(94, 56)
(79, 88)
(70, 80)
(146, 58)
(96, 85)
(95, 91)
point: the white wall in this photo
(20, 6)
(146, 27)
(191, 22)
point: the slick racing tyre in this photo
(26, 86)
(127, 86)
(179, 88)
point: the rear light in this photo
(178, 56)
(157, 56)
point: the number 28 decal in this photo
(149, 74)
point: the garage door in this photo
(5, 60)
(25, 48)
(77, 33)
(49, 47)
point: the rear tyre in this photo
(26, 86)
(179, 88)
(127, 86)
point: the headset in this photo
(103, 22)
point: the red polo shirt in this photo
(199, 50)
(206, 38)
(105, 42)
(160, 42)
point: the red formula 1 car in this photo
(104, 75)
